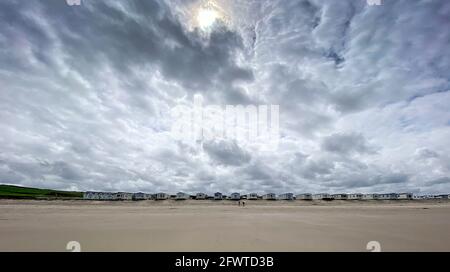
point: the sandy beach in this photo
(223, 226)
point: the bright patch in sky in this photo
(206, 17)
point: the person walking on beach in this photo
(239, 203)
(243, 203)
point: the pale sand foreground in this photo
(206, 226)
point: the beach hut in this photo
(95, 195)
(370, 196)
(235, 196)
(444, 196)
(306, 196)
(201, 196)
(355, 196)
(182, 196)
(322, 197)
(108, 196)
(124, 196)
(286, 196)
(269, 196)
(99, 196)
(427, 196)
(218, 196)
(340, 196)
(390, 196)
(252, 196)
(90, 195)
(405, 196)
(139, 196)
(111, 196)
(161, 196)
(87, 195)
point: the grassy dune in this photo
(16, 192)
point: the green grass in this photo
(16, 192)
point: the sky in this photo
(86, 94)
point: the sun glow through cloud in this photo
(206, 17)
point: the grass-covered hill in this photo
(16, 192)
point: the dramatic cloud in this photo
(86, 94)
(346, 144)
(226, 153)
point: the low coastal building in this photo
(306, 196)
(124, 196)
(390, 196)
(88, 195)
(100, 196)
(340, 196)
(370, 196)
(182, 196)
(235, 196)
(161, 196)
(141, 196)
(110, 196)
(218, 196)
(201, 196)
(405, 196)
(322, 196)
(425, 196)
(286, 196)
(355, 196)
(150, 196)
(434, 197)
(269, 196)
(252, 196)
(91, 196)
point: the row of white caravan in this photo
(115, 196)
(291, 196)
(252, 196)
(431, 196)
(390, 196)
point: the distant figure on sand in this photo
(243, 203)
(239, 203)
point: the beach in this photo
(261, 226)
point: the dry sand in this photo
(223, 226)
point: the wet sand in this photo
(223, 226)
